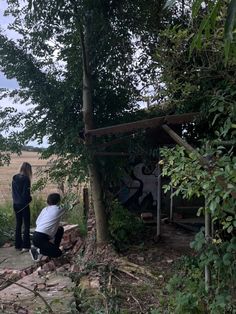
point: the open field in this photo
(7, 172)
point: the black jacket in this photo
(21, 190)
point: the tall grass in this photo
(37, 204)
(74, 215)
(7, 222)
(75, 212)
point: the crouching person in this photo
(48, 233)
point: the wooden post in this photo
(171, 203)
(205, 163)
(207, 239)
(158, 202)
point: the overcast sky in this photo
(4, 21)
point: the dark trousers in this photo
(22, 217)
(47, 248)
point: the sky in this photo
(4, 21)
(4, 82)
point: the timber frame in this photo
(163, 123)
(158, 122)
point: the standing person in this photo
(21, 196)
(48, 234)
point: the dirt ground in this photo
(136, 284)
(142, 295)
(129, 282)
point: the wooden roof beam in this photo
(143, 124)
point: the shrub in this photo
(186, 290)
(74, 215)
(124, 227)
(7, 224)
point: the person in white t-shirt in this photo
(48, 233)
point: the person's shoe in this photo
(35, 254)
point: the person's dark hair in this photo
(26, 169)
(53, 199)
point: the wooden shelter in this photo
(168, 124)
(159, 131)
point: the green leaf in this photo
(229, 218)
(229, 27)
(227, 259)
(230, 229)
(196, 6)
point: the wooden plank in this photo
(143, 124)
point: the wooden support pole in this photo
(203, 161)
(158, 201)
(207, 240)
(171, 203)
(183, 143)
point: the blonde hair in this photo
(26, 169)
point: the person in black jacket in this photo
(21, 183)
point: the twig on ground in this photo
(3, 260)
(123, 270)
(137, 303)
(109, 285)
(37, 294)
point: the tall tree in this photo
(71, 93)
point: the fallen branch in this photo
(3, 260)
(137, 303)
(131, 267)
(123, 270)
(37, 294)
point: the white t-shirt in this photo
(49, 219)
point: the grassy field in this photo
(7, 172)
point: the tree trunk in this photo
(95, 180)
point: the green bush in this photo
(124, 227)
(74, 215)
(7, 224)
(187, 292)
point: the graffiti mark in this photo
(142, 182)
